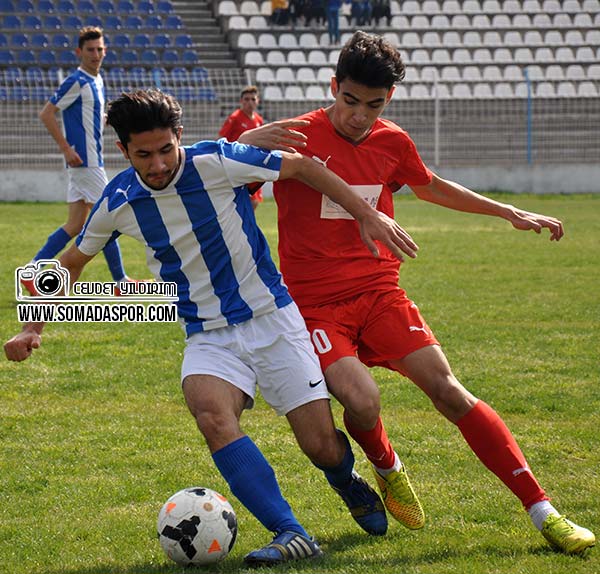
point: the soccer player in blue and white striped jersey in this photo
(191, 208)
(81, 100)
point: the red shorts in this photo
(256, 194)
(378, 327)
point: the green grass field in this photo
(94, 433)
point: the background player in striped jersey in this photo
(80, 99)
(191, 208)
(243, 119)
(352, 304)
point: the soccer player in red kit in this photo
(243, 119)
(352, 305)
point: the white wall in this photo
(42, 185)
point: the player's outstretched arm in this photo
(22, 345)
(455, 196)
(374, 225)
(279, 135)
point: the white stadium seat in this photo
(315, 93)
(293, 93)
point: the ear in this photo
(123, 150)
(178, 134)
(334, 86)
(389, 95)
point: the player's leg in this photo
(335, 330)
(492, 442)
(216, 406)
(291, 381)
(218, 386)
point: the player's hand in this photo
(279, 135)
(72, 158)
(526, 220)
(379, 227)
(21, 346)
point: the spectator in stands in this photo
(81, 99)
(315, 9)
(279, 12)
(333, 20)
(360, 12)
(296, 10)
(382, 9)
(245, 118)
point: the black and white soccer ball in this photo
(197, 526)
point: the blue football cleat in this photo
(365, 505)
(285, 547)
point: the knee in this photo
(326, 451)
(451, 398)
(364, 411)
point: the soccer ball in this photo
(197, 526)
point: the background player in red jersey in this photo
(353, 307)
(245, 118)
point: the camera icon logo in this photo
(43, 278)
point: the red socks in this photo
(374, 442)
(494, 445)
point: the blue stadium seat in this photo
(18, 94)
(173, 22)
(25, 57)
(141, 41)
(11, 22)
(7, 6)
(33, 22)
(183, 41)
(46, 6)
(112, 22)
(207, 95)
(150, 57)
(40, 40)
(129, 57)
(25, 6)
(121, 41)
(145, 7)
(3, 40)
(164, 7)
(19, 40)
(52, 22)
(47, 58)
(34, 74)
(189, 57)
(55, 74)
(61, 41)
(133, 22)
(3, 94)
(125, 7)
(7, 57)
(13, 74)
(91, 20)
(170, 57)
(73, 21)
(65, 7)
(67, 58)
(115, 74)
(154, 22)
(86, 7)
(180, 74)
(161, 41)
(138, 73)
(106, 7)
(199, 74)
(110, 58)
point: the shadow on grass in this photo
(334, 561)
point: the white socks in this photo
(540, 511)
(385, 471)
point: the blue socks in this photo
(112, 253)
(252, 480)
(340, 476)
(55, 243)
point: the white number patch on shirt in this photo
(332, 210)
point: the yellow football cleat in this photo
(400, 498)
(566, 536)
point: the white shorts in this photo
(86, 183)
(272, 350)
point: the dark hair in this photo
(370, 60)
(249, 90)
(143, 111)
(89, 33)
